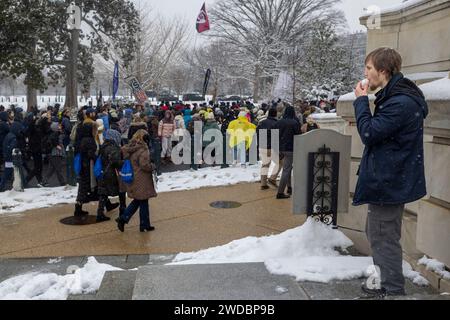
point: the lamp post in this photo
(74, 26)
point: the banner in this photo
(202, 20)
(137, 90)
(115, 80)
(205, 84)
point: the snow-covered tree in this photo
(260, 30)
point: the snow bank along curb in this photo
(16, 202)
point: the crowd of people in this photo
(144, 134)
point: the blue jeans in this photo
(7, 176)
(144, 212)
(239, 153)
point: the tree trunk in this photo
(31, 98)
(31, 92)
(71, 72)
(216, 89)
(256, 87)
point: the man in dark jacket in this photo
(34, 135)
(288, 128)
(265, 145)
(9, 144)
(391, 173)
(4, 130)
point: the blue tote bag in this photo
(126, 173)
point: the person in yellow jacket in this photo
(241, 133)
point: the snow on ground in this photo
(308, 253)
(50, 286)
(14, 202)
(414, 276)
(435, 266)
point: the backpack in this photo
(77, 164)
(126, 173)
(98, 168)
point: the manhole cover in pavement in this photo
(79, 221)
(225, 204)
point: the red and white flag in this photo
(202, 20)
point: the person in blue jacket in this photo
(392, 170)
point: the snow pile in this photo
(435, 266)
(437, 90)
(207, 177)
(50, 286)
(14, 202)
(414, 276)
(307, 253)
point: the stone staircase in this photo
(246, 281)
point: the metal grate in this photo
(79, 221)
(225, 204)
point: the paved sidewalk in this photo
(184, 222)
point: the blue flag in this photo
(116, 80)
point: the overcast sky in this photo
(190, 8)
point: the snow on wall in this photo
(437, 90)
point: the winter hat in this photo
(113, 135)
(210, 116)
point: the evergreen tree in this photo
(34, 39)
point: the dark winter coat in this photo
(67, 129)
(4, 129)
(11, 141)
(210, 125)
(392, 167)
(142, 187)
(267, 124)
(87, 148)
(289, 127)
(34, 135)
(112, 163)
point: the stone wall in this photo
(419, 32)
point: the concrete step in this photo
(117, 285)
(245, 281)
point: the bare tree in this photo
(259, 31)
(160, 44)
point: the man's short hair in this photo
(385, 59)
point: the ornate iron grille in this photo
(323, 179)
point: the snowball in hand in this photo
(364, 83)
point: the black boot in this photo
(289, 191)
(120, 224)
(283, 196)
(102, 218)
(151, 228)
(111, 206)
(78, 211)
